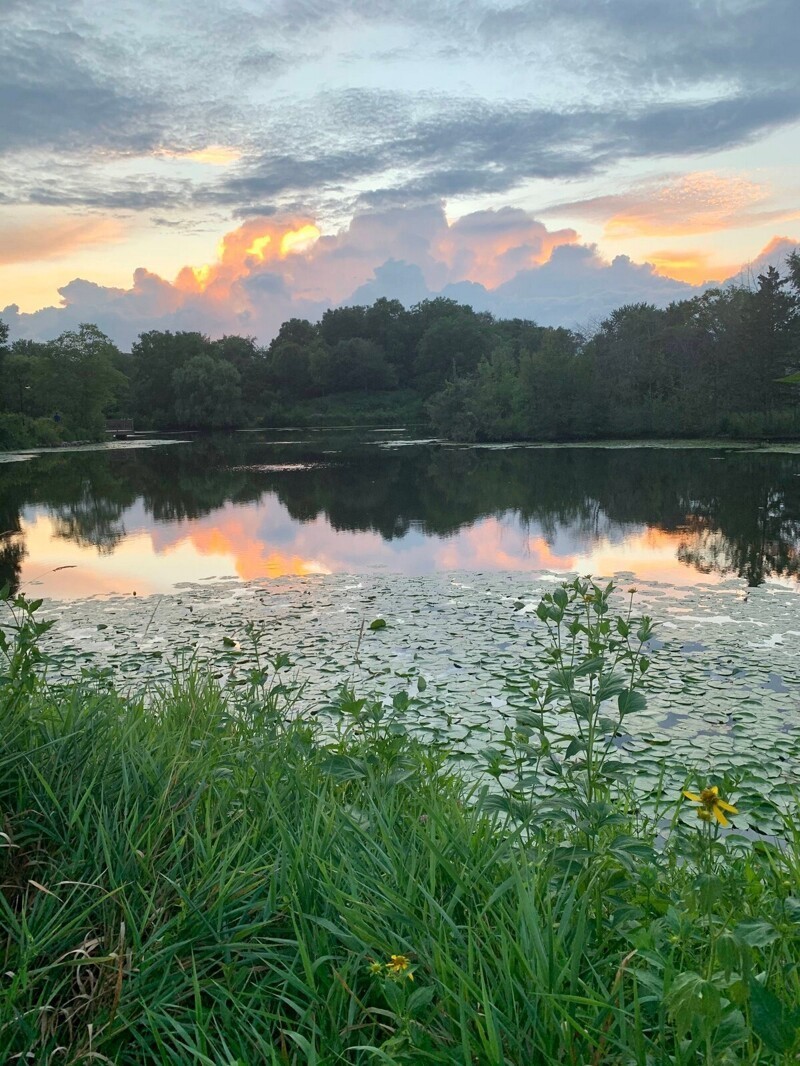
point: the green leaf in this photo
(773, 1022)
(631, 701)
(420, 997)
(692, 998)
(589, 666)
(756, 932)
(229, 642)
(581, 705)
(610, 685)
(378, 623)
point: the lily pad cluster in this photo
(723, 687)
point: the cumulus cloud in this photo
(271, 269)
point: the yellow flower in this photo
(711, 805)
(399, 966)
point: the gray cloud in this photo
(473, 147)
(90, 82)
(52, 99)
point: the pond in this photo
(141, 519)
(226, 552)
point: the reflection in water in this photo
(242, 506)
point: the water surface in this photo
(257, 505)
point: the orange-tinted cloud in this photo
(257, 243)
(689, 265)
(28, 242)
(492, 246)
(214, 155)
(702, 202)
(253, 558)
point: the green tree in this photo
(208, 394)
(71, 381)
(769, 329)
(343, 324)
(3, 347)
(547, 391)
(156, 355)
(355, 365)
(451, 347)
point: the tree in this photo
(451, 347)
(253, 366)
(208, 394)
(156, 356)
(343, 324)
(355, 365)
(291, 358)
(769, 331)
(3, 346)
(547, 393)
(71, 381)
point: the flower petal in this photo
(692, 796)
(723, 821)
(726, 807)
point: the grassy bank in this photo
(392, 408)
(197, 875)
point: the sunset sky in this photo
(227, 165)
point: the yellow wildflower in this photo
(399, 966)
(711, 805)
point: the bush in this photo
(21, 431)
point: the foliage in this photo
(22, 431)
(215, 876)
(716, 363)
(207, 393)
(72, 382)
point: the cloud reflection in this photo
(265, 543)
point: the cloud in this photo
(774, 254)
(454, 147)
(55, 239)
(700, 202)
(686, 42)
(251, 99)
(271, 269)
(492, 246)
(214, 155)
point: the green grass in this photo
(198, 876)
(400, 407)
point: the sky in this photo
(228, 165)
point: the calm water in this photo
(304, 502)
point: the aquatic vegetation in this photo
(207, 872)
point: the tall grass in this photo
(200, 877)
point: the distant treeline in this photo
(726, 362)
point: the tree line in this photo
(724, 362)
